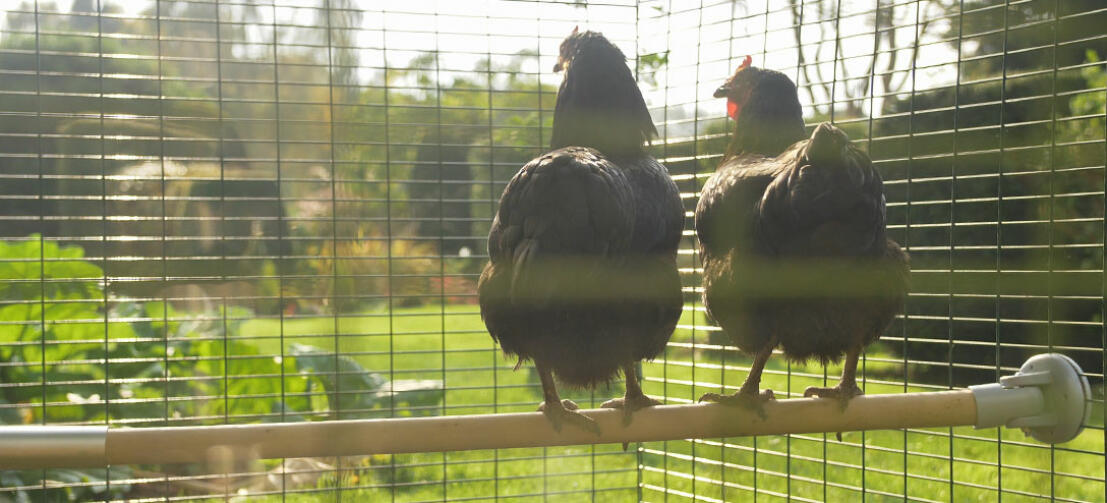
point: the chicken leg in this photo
(560, 411)
(847, 386)
(634, 399)
(748, 395)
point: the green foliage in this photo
(649, 64)
(53, 319)
(348, 386)
(1090, 103)
(56, 317)
(65, 263)
(1000, 171)
(87, 485)
(148, 360)
(352, 391)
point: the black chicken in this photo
(792, 238)
(582, 276)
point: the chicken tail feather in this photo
(826, 145)
(523, 255)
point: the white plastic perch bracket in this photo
(1047, 398)
(45, 446)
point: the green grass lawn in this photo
(940, 464)
(451, 344)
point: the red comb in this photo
(746, 62)
(575, 29)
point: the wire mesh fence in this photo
(219, 212)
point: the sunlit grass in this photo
(450, 343)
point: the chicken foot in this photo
(847, 385)
(560, 411)
(634, 399)
(748, 395)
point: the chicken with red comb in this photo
(792, 235)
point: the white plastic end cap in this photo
(1047, 398)
(1067, 397)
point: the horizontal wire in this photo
(690, 172)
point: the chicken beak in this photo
(562, 64)
(721, 91)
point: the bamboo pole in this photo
(221, 444)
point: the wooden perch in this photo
(1047, 399)
(223, 443)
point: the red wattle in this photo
(732, 109)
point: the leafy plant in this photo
(352, 391)
(1089, 103)
(149, 360)
(650, 64)
(51, 329)
(77, 485)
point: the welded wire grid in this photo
(237, 212)
(979, 117)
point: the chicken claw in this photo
(752, 400)
(566, 412)
(634, 399)
(631, 405)
(843, 392)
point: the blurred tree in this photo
(894, 25)
(997, 157)
(133, 144)
(475, 123)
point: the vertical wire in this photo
(104, 225)
(441, 227)
(280, 226)
(103, 203)
(999, 236)
(222, 209)
(42, 224)
(1103, 295)
(787, 438)
(164, 218)
(334, 211)
(222, 226)
(698, 262)
(787, 365)
(665, 155)
(907, 228)
(541, 147)
(164, 223)
(788, 386)
(592, 390)
(834, 72)
(335, 303)
(492, 213)
(388, 237)
(1049, 249)
(695, 168)
(641, 377)
(41, 215)
(869, 150)
(833, 93)
(953, 223)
